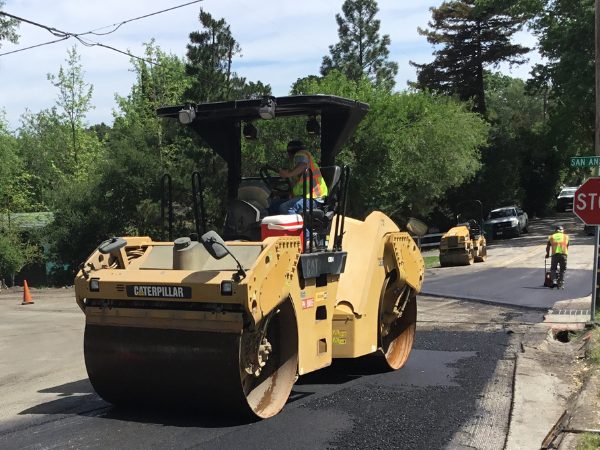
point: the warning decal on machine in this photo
(308, 303)
(159, 291)
(339, 341)
(339, 333)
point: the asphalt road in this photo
(455, 392)
(514, 271)
(346, 406)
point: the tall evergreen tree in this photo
(361, 50)
(210, 55)
(471, 37)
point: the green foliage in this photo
(469, 38)
(361, 50)
(16, 249)
(510, 105)
(594, 354)
(431, 261)
(566, 39)
(81, 148)
(160, 84)
(588, 441)
(8, 28)
(405, 138)
(520, 164)
(211, 53)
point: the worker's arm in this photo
(300, 167)
(548, 247)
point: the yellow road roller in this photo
(228, 321)
(464, 244)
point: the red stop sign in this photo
(586, 203)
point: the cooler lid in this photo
(284, 219)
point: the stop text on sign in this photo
(586, 202)
(589, 201)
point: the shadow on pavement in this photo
(80, 398)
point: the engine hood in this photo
(500, 220)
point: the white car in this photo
(507, 221)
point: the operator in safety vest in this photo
(300, 159)
(559, 243)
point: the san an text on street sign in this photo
(585, 161)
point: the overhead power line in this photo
(63, 35)
(118, 25)
(88, 43)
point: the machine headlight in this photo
(514, 222)
(226, 288)
(187, 115)
(94, 284)
(267, 108)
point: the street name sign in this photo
(586, 202)
(586, 161)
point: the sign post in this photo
(586, 205)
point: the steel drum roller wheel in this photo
(197, 370)
(397, 336)
(483, 256)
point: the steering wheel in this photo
(270, 176)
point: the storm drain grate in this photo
(571, 312)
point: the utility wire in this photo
(87, 43)
(34, 46)
(136, 18)
(66, 35)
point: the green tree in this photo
(361, 50)
(74, 102)
(16, 196)
(566, 39)
(409, 150)
(211, 54)
(8, 28)
(159, 84)
(468, 38)
(510, 105)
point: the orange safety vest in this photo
(319, 188)
(560, 244)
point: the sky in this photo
(281, 40)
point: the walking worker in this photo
(559, 243)
(300, 159)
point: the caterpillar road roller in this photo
(464, 244)
(228, 321)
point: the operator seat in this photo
(323, 215)
(242, 221)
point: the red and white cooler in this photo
(282, 225)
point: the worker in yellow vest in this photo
(559, 243)
(300, 159)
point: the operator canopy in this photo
(220, 124)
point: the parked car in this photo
(507, 221)
(564, 200)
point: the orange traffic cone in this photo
(26, 295)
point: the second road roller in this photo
(229, 322)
